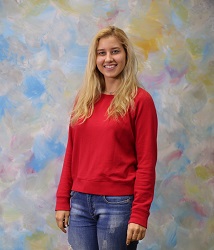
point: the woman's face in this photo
(111, 57)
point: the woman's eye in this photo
(116, 51)
(101, 53)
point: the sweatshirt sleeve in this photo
(65, 184)
(146, 151)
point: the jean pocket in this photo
(72, 194)
(124, 199)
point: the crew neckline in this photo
(107, 94)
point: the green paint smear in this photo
(180, 10)
(203, 173)
(195, 46)
(64, 4)
(38, 240)
(34, 7)
(205, 77)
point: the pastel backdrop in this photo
(43, 53)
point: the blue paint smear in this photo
(158, 102)
(176, 21)
(13, 58)
(20, 242)
(45, 150)
(48, 51)
(79, 51)
(157, 204)
(1, 236)
(18, 239)
(44, 73)
(76, 64)
(171, 237)
(208, 50)
(101, 8)
(5, 104)
(183, 141)
(7, 30)
(22, 58)
(187, 211)
(33, 87)
(183, 163)
(48, 13)
(153, 246)
(210, 130)
(4, 48)
(76, 55)
(78, 58)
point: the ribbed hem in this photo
(103, 187)
(62, 203)
(139, 218)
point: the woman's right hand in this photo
(62, 218)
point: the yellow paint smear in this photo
(211, 225)
(64, 5)
(207, 79)
(77, 8)
(194, 192)
(37, 241)
(195, 47)
(192, 189)
(205, 76)
(34, 7)
(147, 46)
(160, 11)
(10, 215)
(203, 172)
(51, 223)
(180, 10)
(147, 29)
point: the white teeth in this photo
(109, 66)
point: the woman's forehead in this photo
(107, 42)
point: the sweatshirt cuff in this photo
(62, 204)
(139, 218)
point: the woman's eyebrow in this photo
(111, 48)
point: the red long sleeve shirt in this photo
(113, 157)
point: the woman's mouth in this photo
(110, 66)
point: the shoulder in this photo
(144, 105)
(143, 97)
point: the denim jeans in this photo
(99, 222)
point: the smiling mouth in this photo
(110, 66)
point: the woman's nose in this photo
(108, 57)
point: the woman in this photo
(111, 152)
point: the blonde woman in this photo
(108, 176)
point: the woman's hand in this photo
(135, 232)
(62, 218)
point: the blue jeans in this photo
(99, 222)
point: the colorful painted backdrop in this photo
(43, 52)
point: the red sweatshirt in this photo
(110, 157)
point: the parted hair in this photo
(94, 83)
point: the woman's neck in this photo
(111, 86)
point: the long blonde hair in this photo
(94, 83)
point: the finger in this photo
(141, 236)
(135, 236)
(60, 224)
(129, 236)
(66, 221)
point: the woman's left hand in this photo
(135, 232)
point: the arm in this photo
(146, 152)
(64, 187)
